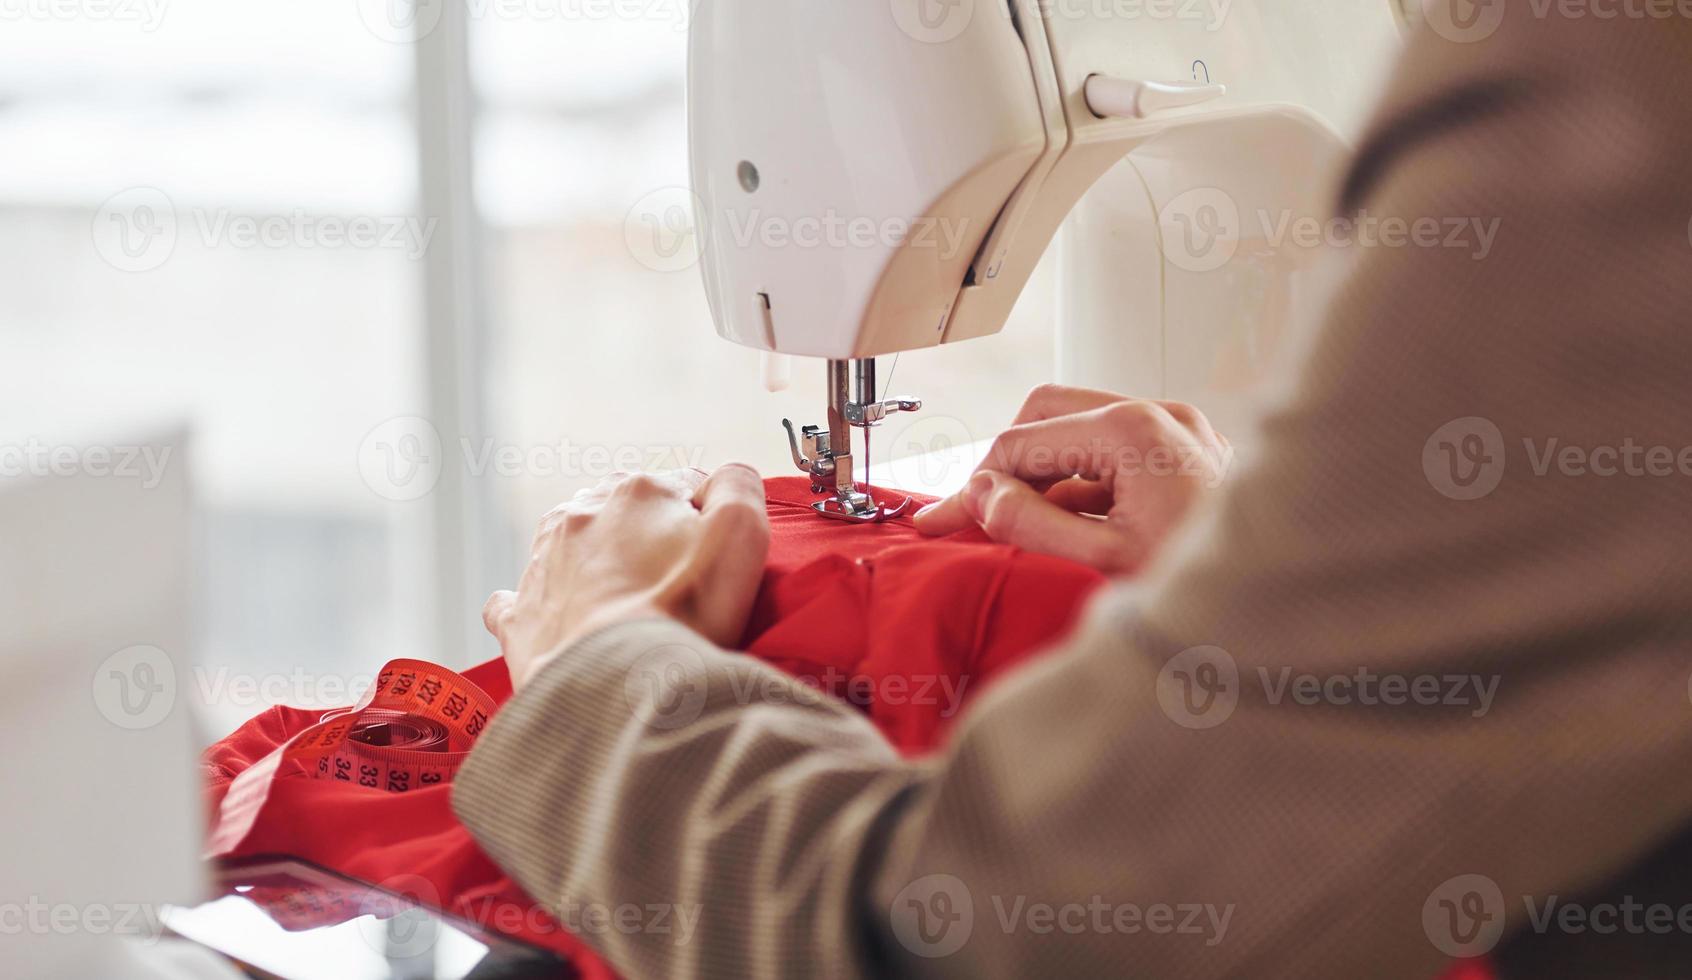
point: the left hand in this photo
(680, 544)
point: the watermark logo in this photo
(1212, 14)
(141, 923)
(933, 21)
(138, 230)
(1464, 916)
(666, 687)
(410, 21)
(396, 918)
(147, 14)
(1468, 21)
(135, 229)
(1203, 229)
(1464, 21)
(933, 916)
(1200, 229)
(401, 459)
(401, 21)
(1464, 458)
(1473, 234)
(931, 450)
(135, 688)
(662, 230)
(1199, 687)
(145, 464)
(666, 230)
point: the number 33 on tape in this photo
(412, 729)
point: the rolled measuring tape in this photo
(412, 729)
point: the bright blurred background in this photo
(403, 290)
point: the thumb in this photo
(496, 611)
(1014, 513)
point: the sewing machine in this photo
(877, 176)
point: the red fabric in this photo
(908, 629)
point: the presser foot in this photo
(859, 508)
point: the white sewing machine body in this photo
(876, 177)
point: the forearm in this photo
(644, 769)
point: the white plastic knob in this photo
(1122, 97)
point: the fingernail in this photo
(925, 509)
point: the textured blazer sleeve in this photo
(1477, 497)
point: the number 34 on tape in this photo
(412, 729)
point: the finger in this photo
(1053, 401)
(1080, 496)
(690, 479)
(946, 516)
(496, 611)
(729, 484)
(1089, 445)
(671, 484)
(1192, 420)
(963, 510)
(1016, 514)
(733, 549)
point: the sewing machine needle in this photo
(867, 464)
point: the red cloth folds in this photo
(908, 629)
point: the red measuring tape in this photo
(412, 729)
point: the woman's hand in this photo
(1088, 475)
(678, 544)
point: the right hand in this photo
(1091, 476)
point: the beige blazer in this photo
(1467, 500)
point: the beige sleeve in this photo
(1200, 784)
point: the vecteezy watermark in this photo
(940, 21)
(1364, 230)
(1206, 464)
(662, 230)
(1211, 14)
(1201, 686)
(396, 916)
(666, 229)
(1200, 229)
(402, 459)
(35, 917)
(1469, 21)
(33, 457)
(933, 21)
(135, 687)
(147, 15)
(1465, 458)
(928, 450)
(298, 687)
(138, 686)
(409, 21)
(676, 921)
(138, 230)
(833, 230)
(1466, 916)
(1203, 228)
(667, 688)
(935, 916)
(1463, 21)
